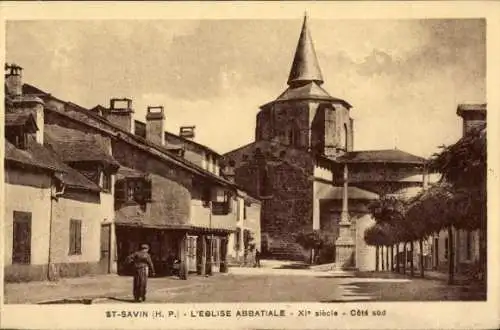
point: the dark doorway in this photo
(105, 260)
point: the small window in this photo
(133, 191)
(106, 181)
(75, 237)
(244, 211)
(206, 195)
(21, 238)
(18, 138)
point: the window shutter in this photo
(21, 252)
(78, 240)
(148, 190)
(121, 191)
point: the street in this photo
(268, 284)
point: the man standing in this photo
(141, 261)
(257, 258)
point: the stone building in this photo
(54, 214)
(304, 168)
(126, 182)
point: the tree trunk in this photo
(421, 257)
(405, 258)
(386, 258)
(382, 256)
(392, 257)
(412, 268)
(451, 256)
(377, 268)
(312, 257)
(397, 257)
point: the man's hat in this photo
(144, 246)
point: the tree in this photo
(310, 240)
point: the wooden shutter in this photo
(21, 237)
(120, 191)
(75, 237)
(78, 238)
(148, 190)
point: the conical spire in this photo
(305, 67)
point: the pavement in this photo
(274, 281)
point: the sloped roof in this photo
(127, 172)
(74, 179)
(20, 119)
(330, 192)
(310, 91)
(30, 158)
(305, 66)
(90, 119)
(39, 156)
(76, 146)
(381, 156)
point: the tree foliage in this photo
(458, 200)
(309, 239)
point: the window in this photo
(133, 190)
(21, 238)
(206, 196)
(17, 138)
(75, 237)
(244, 211)
(446, 248)
(106, 181)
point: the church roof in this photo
(305, 67)
(352, 193)
(381, 156)
(309, 91)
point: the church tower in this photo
(305, 116)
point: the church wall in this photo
(287, 194)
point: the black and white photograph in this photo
(305, 159)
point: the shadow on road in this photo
(128, 300)
(293, 266)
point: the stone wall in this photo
(287, 196)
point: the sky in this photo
(404, 78)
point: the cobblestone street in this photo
(268, 284)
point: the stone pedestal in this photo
(344, 247)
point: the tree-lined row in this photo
(457, 201)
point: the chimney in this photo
(473, 116)
(120, 113)
(187, 132)
(13, 79)
(155, 125)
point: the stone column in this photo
(113, 255)
(203, 267)
(344, 245)
(183, 271)
(224, 266)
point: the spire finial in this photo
(305, 67)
